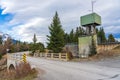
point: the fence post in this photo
(67, 57)
(60, 56)
(45, 55)
(40, 54)
(51, 55)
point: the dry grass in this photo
(3, 64)
(106, 54)
(100, 56)
(3, 61)
(116, 48)
(22, 72)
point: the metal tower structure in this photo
(90, 22)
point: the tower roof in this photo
(90, 19)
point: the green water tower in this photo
(90, 21)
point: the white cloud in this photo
(112, 29)
(25, 31)
(118, 39)
(34, 16)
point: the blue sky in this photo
(4, 18)
(22, 18)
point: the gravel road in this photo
(58, 70)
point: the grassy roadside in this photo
(100, 56)
(22, 72)
(29, 77)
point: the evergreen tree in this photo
(101, 35)
(56, 38)
(0, 39)
(97, 30)
(34, 39)
(33, 46)
(66, 38)
(40, 47)
(81, 31)
(111, 38)
(72, 38)
(92, 47)
(77, 35)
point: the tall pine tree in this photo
(0, 39)
(111, 38)
(79, 32)
(93, 50)
(67, 38)
(76, 35)
(72, 36)
(56, 37)
(101, 35)
(34, 46)
(34, 39)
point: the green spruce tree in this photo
(76, 35)
(101, 36)
(40, 47)
(111, 38)
(92, 47)
(66, 38)
(34, 45)
(0, 39)
(56, 37)
(72, 36)
(81, 31)
(34, 39)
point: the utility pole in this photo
(92, 2)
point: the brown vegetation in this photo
(106, 54)
(22, 71)
(3, 63)
(13, 47)
(101, 55)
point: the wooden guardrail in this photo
(55, 56)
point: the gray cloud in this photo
(34, 16)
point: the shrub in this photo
(0, 56)
(31, 53)
(22, 71)
(93, 50)
(70, 56)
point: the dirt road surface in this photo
(59, 70)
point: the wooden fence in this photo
(55, 56)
